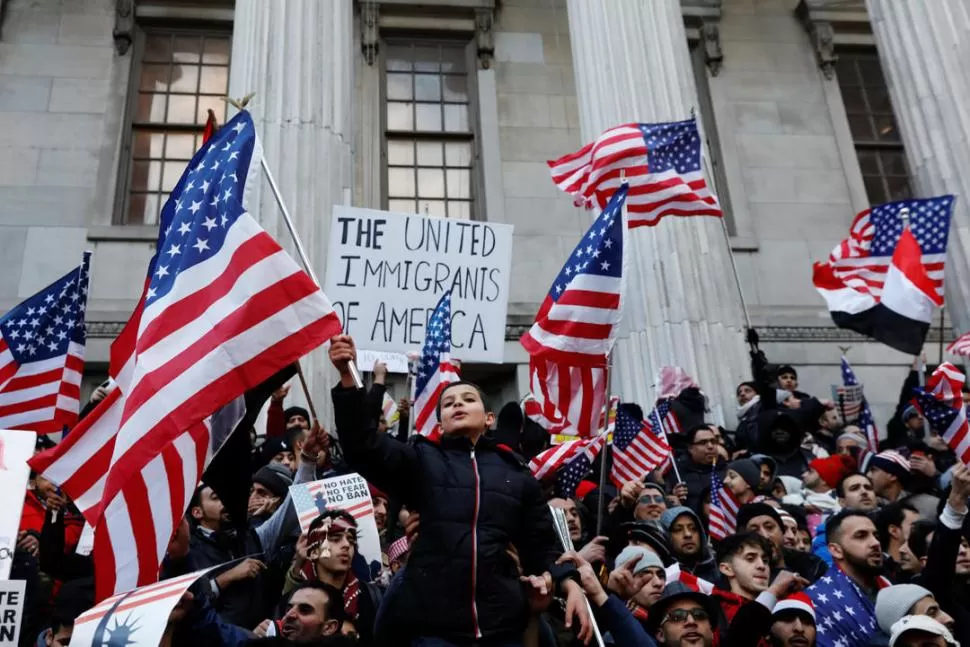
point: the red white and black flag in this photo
(889, 298)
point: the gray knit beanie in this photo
(894, 602)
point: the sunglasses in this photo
(651, 498)
(680, 615)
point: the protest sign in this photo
(387, 271)
(15, 448)
(136, 618)
(11, 610)
(350, 493)
(396, 362)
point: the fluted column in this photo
(297, 56)
(632, 63)
(924, 48)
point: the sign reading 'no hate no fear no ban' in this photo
(386, 272)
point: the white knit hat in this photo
(796, 602)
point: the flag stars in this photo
(195, 206)
(174, 250)
(161, 271)
(209, 223)
(184, 227)
(201, 244)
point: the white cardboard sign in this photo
(348, 492)
(396, 362)
(386, 272)
(11, 610)
(15, 448)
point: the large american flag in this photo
(577, 325)
(846, 617)
(435, 370)
(942, 404)
(42, 356)
(861, 261)
(661, 162)
(639, 447)
(224, 308)
(723, 514)
(866, 421)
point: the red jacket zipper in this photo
(478, 496)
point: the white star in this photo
(21, 348)
(215, 165)
(174, 250)
(31, 311)
(178, 207)
(52, 345)
(49, 298)
(233, 155)
(61, 335)
(224, 220)
(209, 223)
(190, 186)
(227, 146)
(215, 199)
(239, 127)
(233, 176)
(205, 186)
(201, 244)
(161, 271)
(607, 243)
(225, 196)
(200, 166)
(14, 334)
(838, 594)
(195, 206)
(823, 598)
(150, 294)
(184, 228)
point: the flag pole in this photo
(600, 506)
(306, 266)
(412, 384)
(920, 362)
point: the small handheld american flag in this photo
(435, 370)
(866, 421)
(639, 447)
(661, 162)
(724, 508)
(42, 356)
(942, 404)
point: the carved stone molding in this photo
(370, 37)
(123, 32)
(103, 329)
(823, 41)
(484, 39)
(834, 23)
(713, 54)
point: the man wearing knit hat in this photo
(889, 472)
(743, 478)
(894, 602)
(270, 485)
(823, 474)
(641, 582)
(766, 521)
(851, 437)
(920, 631)
(793, 622)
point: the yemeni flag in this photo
(885, 279)
(900, 315)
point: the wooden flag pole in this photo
(240, 104)
(600, 505)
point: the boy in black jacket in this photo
(476, 501)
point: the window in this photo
(179, 77)
(428, 131)
(873, 126)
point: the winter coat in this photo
(696, 477)
(474, 501)
(791, 458)
(241, 603)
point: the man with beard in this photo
(314, 610)
(379, 501)
(889, 472)
(856, 551)
(767, 522)
(593, 552)
(688, 542)
(683, 617)
(793, 622)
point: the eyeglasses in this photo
(680, 615)
(651, 498)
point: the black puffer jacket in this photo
(474, 502)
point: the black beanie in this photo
(748, 470)
(289, 412)
(749, 511)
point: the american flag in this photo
(435, 370)
(42, 356)
(310, 502)
(942, 404)
(960, 346)
(862, 260)
(577, 324)
(866, 421)
(639, 447)
(846, 617)
(224, 308)
(661, 162)
(724, 508)
(667, 418)
(550, 461)
(575, 470)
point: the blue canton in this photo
(939, 414)
(626, 429)
(865, 413)
(846, 617)
(41, 327)
(570, 474)
(600, 251)
(204, 204)
(437, 341)
(304, 501)
(929, 220)
(672, 146)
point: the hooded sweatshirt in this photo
(705, 565)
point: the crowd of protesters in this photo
(471, 555)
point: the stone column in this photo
(924, 48)
(297, 56)
(632, 63)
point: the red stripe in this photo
(28, 405)
(257, 308)
(589, 299)
(228, 386)
(123, 347)
(74, 363)
(193, 306)
(8, 371)
(104, 564)
(139, 507)
(30, 381)
(46, 426)
(577, 329)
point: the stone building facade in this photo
(811, 110)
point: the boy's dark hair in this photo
(833, 529)
(734, 544)
(481, 394)
(73, 599)
(918, 544)
(891, 515)
(840, 486)
(332, 514)
(334, 608)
